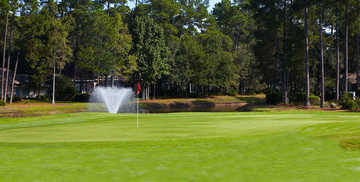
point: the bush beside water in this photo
(81, 97)
(347, 102)
(314, 100)
(65, 90)
(273, 97)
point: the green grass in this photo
(253, 146)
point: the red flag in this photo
(138, 88)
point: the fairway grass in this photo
(253, 146)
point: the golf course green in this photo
(249, 146)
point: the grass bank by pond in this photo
(41, 108)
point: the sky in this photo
(211, 4)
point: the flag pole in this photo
(137, 103)
(137, 112)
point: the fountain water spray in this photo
(116, 100)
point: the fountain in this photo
(115, 100)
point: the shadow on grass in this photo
(255, 108)
(351, 143)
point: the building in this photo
(22, 87)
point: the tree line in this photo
(178, 48)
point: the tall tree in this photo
(58, 48)
(13, 79)
(307, 73)
(49, 48)
(337, 56)
(346, 47)
(356, 31)
(150, 49)
(322, 73)
(103, 44)
(8, 65)
(13, 7)
(284, 72)
(5, 6)
(236, 21)
(217, 72)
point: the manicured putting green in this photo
(263, 146)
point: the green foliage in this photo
(314, 100)
(298, 97)
(65, 90)
(188, 61)
(178, 45)
(347, 102)
(2, 103)
(273, 97)
(357, 92)
(45, 43)
(16, 98)
(150, 50)
(81, 97)
(232, 92)
(43, 98)
(104, 44)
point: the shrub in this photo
(314, 100)
(16, 99)
(347, 102)
(65, 90)
(357, 92)
(82, 97)
(273, 97)
(2, 103)
(298, 97)
(232, 92)
(44, 98)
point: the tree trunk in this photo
(148, 92)
(143, 92)
(108, 7)
(307, 74)
(13, 80)
(8, 66)
(112, 81)
(337, 58)
(106, 81)
(284, 83)
(322, 77)
(53, 86)
(154, 91)
(278, 58)
(357, 56)
(4, 56)
(357, 59)
(346, 47)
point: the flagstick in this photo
(137, 112)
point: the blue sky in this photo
(211, 4)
